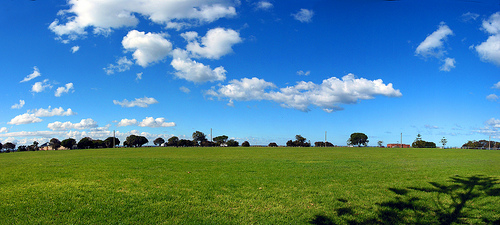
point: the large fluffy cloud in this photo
(83, 124)
(215, 44)
(147, 47)
(25, 118)
(36, 73)
(490, 49)
(127, 122)
(139, 102)
(105, 15)
(191, 70)
(328, 95)
(158, 122)
(147, 122)
(33, 116)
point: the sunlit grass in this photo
(224, 185)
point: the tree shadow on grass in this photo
(469, 200)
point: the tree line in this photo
(200, 139)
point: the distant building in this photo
(398, 146)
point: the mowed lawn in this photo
(250, 186)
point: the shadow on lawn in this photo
(462, 200)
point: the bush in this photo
(245, 144)
(273, 144)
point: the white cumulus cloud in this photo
(36, 73)
(18, 105)
(215, 44)
(61, 90)
(139, 102)
(105, 15)
(304, 15)
(328, 95)
(433, 44)
(449, 63)
(147, 122)
(25, 118)
(147, 47)
(83, 124)
(49, 112)
(41, 86)
(122, 64)
(191, 70)
(158, 122)
(75, 48)
(264, 5)
(33, 116)
(489, 50)
(127, 122)
(4, 130)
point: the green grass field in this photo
(250, 186)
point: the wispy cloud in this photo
(36, 73)
(138, 102)
(304, 15)
(18, 105)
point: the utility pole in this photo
(325, 138)
(401, 140)
(211, 137)
(114, 137)
(489, 143)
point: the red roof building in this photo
(398, 146)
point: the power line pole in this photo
(114, 137)
(325, 138)
(401, 140)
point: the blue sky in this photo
(261, 71)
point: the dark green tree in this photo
(245, 144)
(35, 145)
(220, 139)
(109, 142)
(233, 143)
(300, 139)
(85, 143)
(136, 141)
(68, 143)
(319, 144)
(55, 143)
(199, 137)
(99, 144)
(159, 141)
(299, 142)
(358, 139)
(173, 141)
(272, 144)
(9, 146)
(419, 143)
(186, 143)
